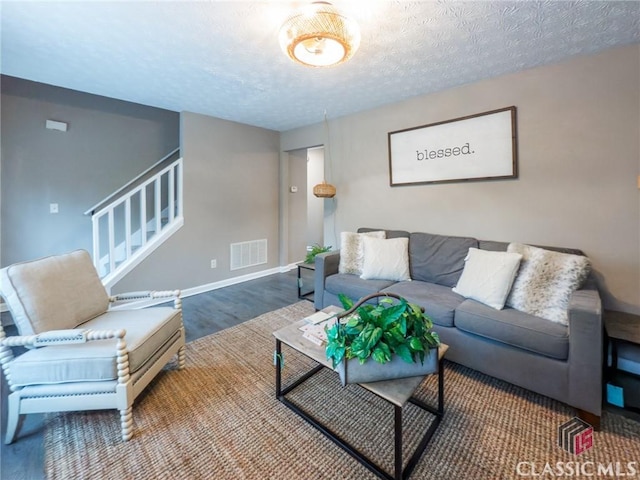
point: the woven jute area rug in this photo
(218, 418)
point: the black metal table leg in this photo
(278, 362)
(398, 442)
(399, 473)
(440, 388)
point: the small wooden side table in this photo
(621, 326)
(305, 294)
(622, 387)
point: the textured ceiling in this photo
(223, 58)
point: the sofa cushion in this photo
(53, 293)
(487, 276)
(439, 302)
(438, 258)
(147, 330)
(352, 251)
(385, 259)
(353, 286)
(515, 328)
(545, 281)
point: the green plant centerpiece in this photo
(380, 332)
(316, 249)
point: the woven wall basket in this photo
(324, 190)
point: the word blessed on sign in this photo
(427, 154)
(477, 147)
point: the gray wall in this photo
(315, 205)
(297, 234)
(231, 192)
(579, 158)
(108, 142)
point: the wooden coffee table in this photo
(397, 392)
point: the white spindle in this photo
(143, 215)
(112, 241)
(179, 186)
(157, 190)
(170, 195)
(95, 221)
(127, 227)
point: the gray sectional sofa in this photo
(561, 362)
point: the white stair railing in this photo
(129, 228)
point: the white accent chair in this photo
(84, 351)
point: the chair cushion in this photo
(53, 293)
(439, 302)
(514, 328)
(147, 331)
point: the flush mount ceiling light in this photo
(319, 35)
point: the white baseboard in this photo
(235, 280)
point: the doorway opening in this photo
(306, 212)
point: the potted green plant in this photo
(315, 250)
(396, 334)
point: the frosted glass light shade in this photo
(319, 36)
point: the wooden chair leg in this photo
(126, 421)
(182, 357)
(14, 419)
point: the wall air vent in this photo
(248, 254)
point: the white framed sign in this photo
(476, 147)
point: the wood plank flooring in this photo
(203, 314)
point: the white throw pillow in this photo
(546, 281)
(386, 259)
(487, 276)
(352, 251)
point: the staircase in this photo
(133, 221)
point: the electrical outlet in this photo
(53, 208)
(214, 263)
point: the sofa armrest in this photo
(326, 264)
(586, 350)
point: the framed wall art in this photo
(476, 147)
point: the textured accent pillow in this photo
(386, 259)
(545, 281)
(352, 251)
(487, 276)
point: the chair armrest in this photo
(61, 337)
(326, 264)
(586, 350)
(131, 297)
